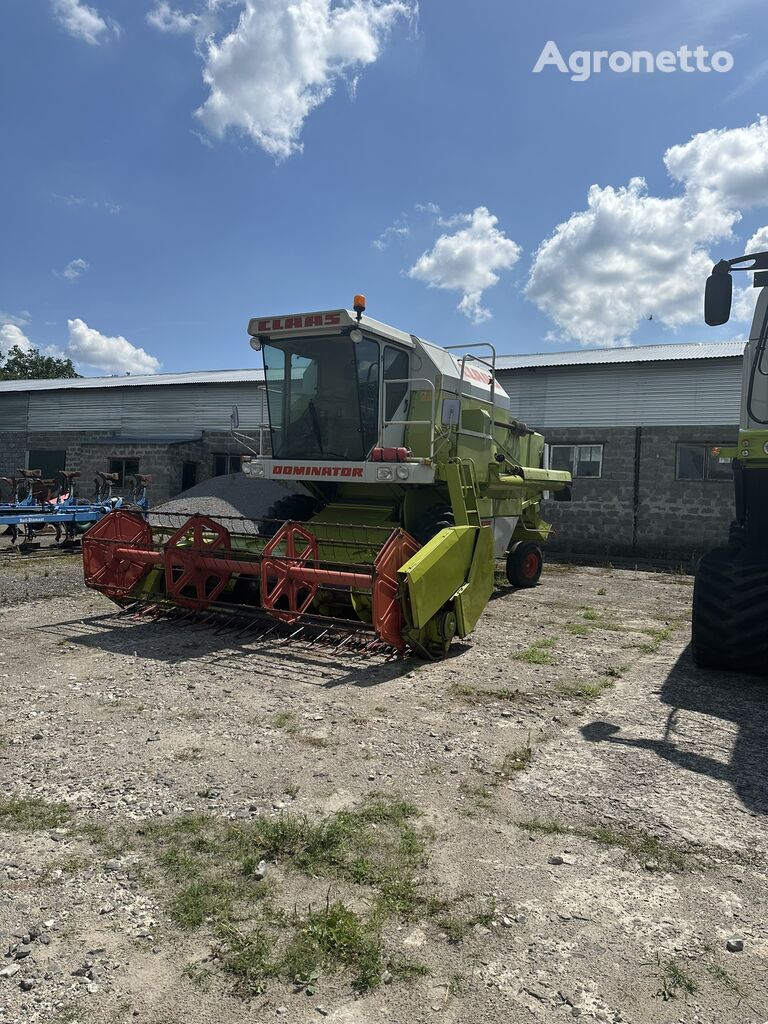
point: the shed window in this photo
(584, 460)
(50, 462)
(224, 464)
(126, 469)
(702, 462)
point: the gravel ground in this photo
(592, 809)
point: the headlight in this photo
(385, 473)
(403, 472)
(765, 447)
(745, 452)
(252, 468)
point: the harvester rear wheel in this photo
(293, 508)
(435, 519)
(730, 612)
(524, 564)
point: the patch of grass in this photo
(585, 691)
(210, 863)
(30, 814)
(658, 636)
(193, 715)
(282, 720)
(478, 695)
(514, 761)
(310, 740)
(577, 628)
(675, 980)
(602, 592)
(723, 978)
(591, 615)
(636, 843)
(536, 654)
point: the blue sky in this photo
(368, 145)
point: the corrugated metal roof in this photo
(633, 354)
(255, 374)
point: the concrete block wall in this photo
(642, 509)
(87, 453)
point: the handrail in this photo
(491, 365)
(397, 423)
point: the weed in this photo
(537, 654)
(313, 740)
(586, 691)
(637, 844)
(674, 980)
(602, 592)
(478, 695)
(577, 628)
(658, 636)
(282, 720)
(515, 761)
(722, 976)
(292, 790)
(591, 615)
(28, 814)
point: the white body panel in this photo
(314, 471)
(760, 394)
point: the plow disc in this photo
(294, 577)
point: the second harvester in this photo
(415, 478)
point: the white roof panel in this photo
(254, 375)
(632, 354)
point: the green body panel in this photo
(474, 595)
(433, 575)
(753, 442)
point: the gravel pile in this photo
(227, 499)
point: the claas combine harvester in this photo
(414, 478)
(730, 598)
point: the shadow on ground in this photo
(729, 696)
(176, 644)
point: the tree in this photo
(31, 365)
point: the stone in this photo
(26, 985)
(113, 865)
(387, 977)
(507, 922)
(22, 952)
(555, 860)
(735, 944)
(260, 870)
(9, 971)
(322, 1010)
(281, 1010)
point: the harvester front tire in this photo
(730, 612)
(524, 564)
(293, 508)
(435, 519)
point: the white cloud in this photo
(731, 163)
(399, 229)
(89, 347)
(164, 18)
(282, 60)
(630, 254)
(759, 241)
(468, 260)
(81, 21)
(73, 270)
(11, 334)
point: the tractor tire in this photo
(296, 508)
(435, 519)
(524, 564)
(730, 612)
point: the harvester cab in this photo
(414, 478)
(730, 601)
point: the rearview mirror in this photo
(718, 295)
(234, 419)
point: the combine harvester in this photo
(415, 477)
(37, 508)
(730, 597)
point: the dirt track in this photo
(591, 820)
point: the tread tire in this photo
(519, 564)
(730, 612)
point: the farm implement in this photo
(414, 478)
(39, 507)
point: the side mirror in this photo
(566, 494)
(234, 419)
(718, 295)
